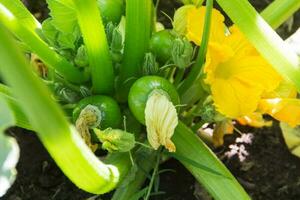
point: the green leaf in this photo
(130, 177)
(291, 137)
(195, 164)
(139, 194)
(63, 14)
(221, 187)
(49, 31)
(9, 154)
(58, 39)
(66, 40)
(29, 31)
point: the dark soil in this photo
(269, 172)
(38, 176)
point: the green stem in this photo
(264, 39)
(178, 77)
(222, 186)
(196, 68)
(93, 32)
(279, 11)
(20, 117)
(21, 23)
(154, 174)
(144, 159)
(138, 31)
(61, 140)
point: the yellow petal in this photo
(180, 19)
(161, 120)
(238, 76)
(284, 90)
(286, 110)
(255, 120)
(195, 24)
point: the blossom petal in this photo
(195, 24)
(161, 120)
(284, 90)
(255, 120)
(285, 110)
(238, 76)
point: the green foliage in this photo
(45, 116)
(63, 14)
(291, 137)
(84, 36)
(215, 177)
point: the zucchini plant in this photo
(99, 75)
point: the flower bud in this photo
(150, 66)
(182, 52)
(81, 59)
(115, 140)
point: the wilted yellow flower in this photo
(89, 117)
(161, 120)
(221, 129)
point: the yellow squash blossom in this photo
(243, 84)
(238, 76)
(195, 24)
(282, 104)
